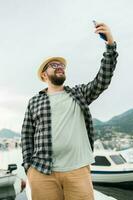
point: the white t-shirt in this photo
(70, 143)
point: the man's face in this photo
(55, 73)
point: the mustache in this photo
(59, 70)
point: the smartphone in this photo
(102, 35)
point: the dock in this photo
(98, 196)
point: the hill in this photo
(6, 133)
(120, 123)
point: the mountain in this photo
(97, 122)
(6, 133)
(120, 123)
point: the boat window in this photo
(101, 161)
(118, 159)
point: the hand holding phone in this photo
(102, 35)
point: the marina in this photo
(14, 192)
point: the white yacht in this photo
(111, 167)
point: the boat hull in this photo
(112, 176)
(7, 180)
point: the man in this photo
(57, 132)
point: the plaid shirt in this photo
(36, 135)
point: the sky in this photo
(31, 30)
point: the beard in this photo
(57, 80)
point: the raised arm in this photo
(93, 89)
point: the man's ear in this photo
(44, 76)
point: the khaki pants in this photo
(72, 185)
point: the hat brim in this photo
(46, 61)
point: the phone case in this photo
(102, 35)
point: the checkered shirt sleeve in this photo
(27, 138)
(103, 78)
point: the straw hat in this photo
(46, 61)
